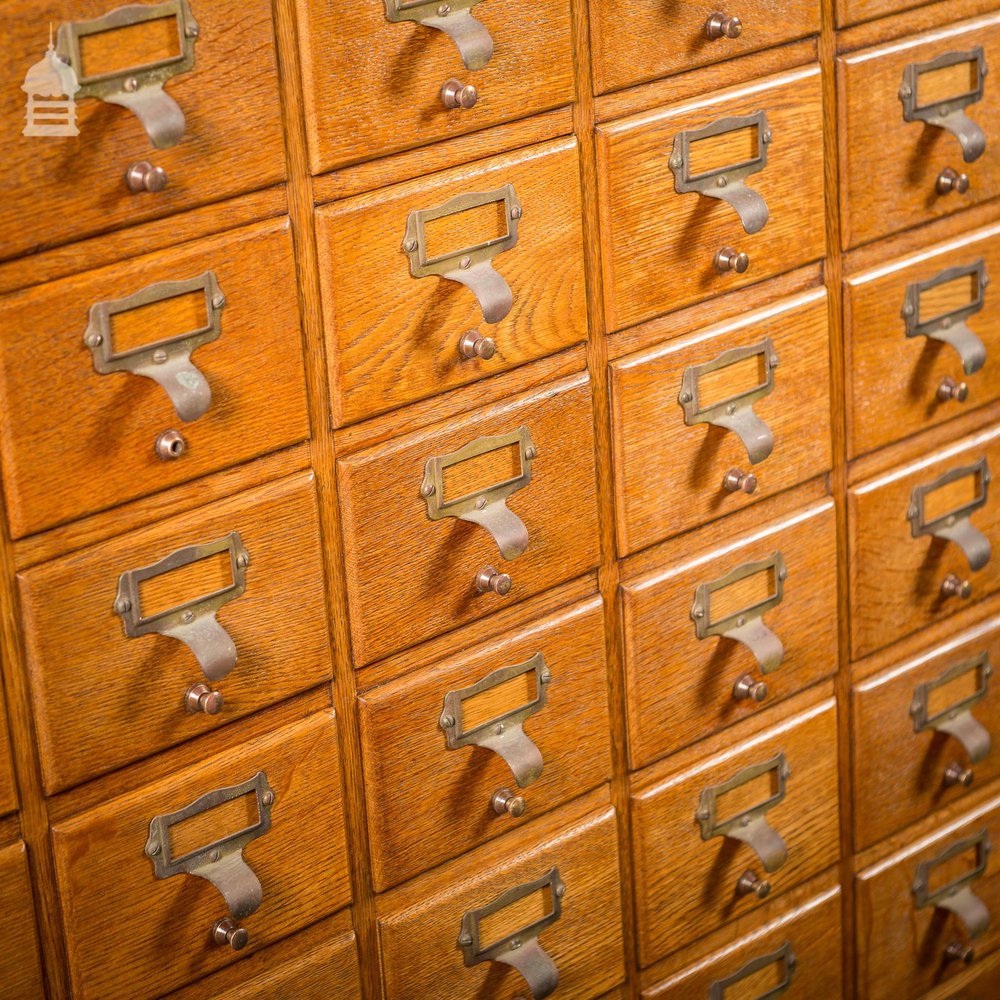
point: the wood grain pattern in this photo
(920, 18)
(91, 684)
(392, 338)
(8, 790)
(659, 247)
(980, 982)
(20, 967)
(668, 475)
(852, 11)
(153, 935)
(83, 442)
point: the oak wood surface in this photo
(20, 967)
(980, 982)
(851, 11)
(8, 789)
(919, 18)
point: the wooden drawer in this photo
(74, 441)
(660, 247)
(677, 697)
(558, 727)
(374, 87)
(402, 566)
(20, 968)
(686, 885)
(898, 365)
(853, 11)
(981, 982)
(796, 940)
(904, 932)
(393, 338)
(153, 934)
(225, 150)
(627, 43)
(926, 767)
(890, 166)
(656, 392)
(8, 790)
(102, 699)
(902, 582)
(575, 848)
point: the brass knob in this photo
(474, 345)
(952, 180)
(170, 445)
(953, 586)
(455, 94)
(143, 176)
(201, 698)
(727, 259)
(750, 883)
(507, 802)
(737, 481)
(747, 687)
(227, 931)
(955, 774)
(723, 26)
(950, 389)
(957, 951)
(488, 579)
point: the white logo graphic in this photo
(50, 85)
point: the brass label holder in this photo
(471, 37)
(166, 361)
(521, 949)
(957, 720)
(138, 88)
(783, 956)
(957, 896)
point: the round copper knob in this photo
(143, 176)
(489, 580)
(951, 180)
(955, 774)
(958, 952)
(227, 931)
(954, 586)
(170, 445)
(747, 687)
(508, 803)
(201, 698)
(728, 259)
(723, 26)
(750, 883)
(737, 481)
(950, 389)
(474, 345)
(455, 94)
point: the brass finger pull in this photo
(522, 949)
(784, 956)
(957, 720)
(956, 896)
(454, 18)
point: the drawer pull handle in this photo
(458, 95)
(735, 413)
(137, 88)
(454, 18)
(521, 949)
(227, 931)
(170, 445)
(737, 481)
(955, 586)
(508, 803)
(947, 113)
(783, 956)
(721, 25)
(951, 180)
(749, 826)
(746, 625)
(143, 176)
(955, 775)
(503, 734)
(949, 390)
(471, 266)
(201, 698)
(751, 884)
(954, 525)
(748, 689)
(192, 622)
(166, 361)
(956, 720)
(220, 862)
(727, 183)
(474, 345)
(959, 952)
(486, 507)
(489, 581)
(957, 896)
(728, 259)
(950, 327)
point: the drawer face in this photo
(676, 698)
(627, 42)
(8, 791)
(418, 934)
(899, 364)
(404, 567)
(223, 151)
(407, 758)
(103, 699)
(66, 425)
(726, 365)
(889, 166)
(901, 944)
(925, 766)
(660, 247)
(373, 87)
(686, 886)
(901, 583)
(393, 338)
(20, 967)
(156, 933)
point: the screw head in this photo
(530, 453)
(218, 300)
(446, 721)
(427, 490)
(675, 162)
(123, 606)
(465, 263)
(268, 798)
(465, 939)
(480, 503)
(159, 357)
(243, 560)
(192, 31)
(215, 855)
(500, 729)
(560, 890)
(515, 212)
(721, 182)
(905, 91)
(152, 848)
(94, 340)
(131, 84)
(686, 397)
(188, 617)
(444, 10)
(409, 245)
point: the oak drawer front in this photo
(925, 729)
(931, 895)
(65, 423)
(20, 967)
(627, 42)
(393, 338)
(686, 885)
(663, 250)
(980, 982)
(905, 576)
(853, 11)
(103, 698)
(222, 150)
(155, 933)
(680, 687)
(8, 792)
(897, 173)
(573, 851)
(374, 87)
(919, 329)
(541, 703)
(680, 453)
(411, 577)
